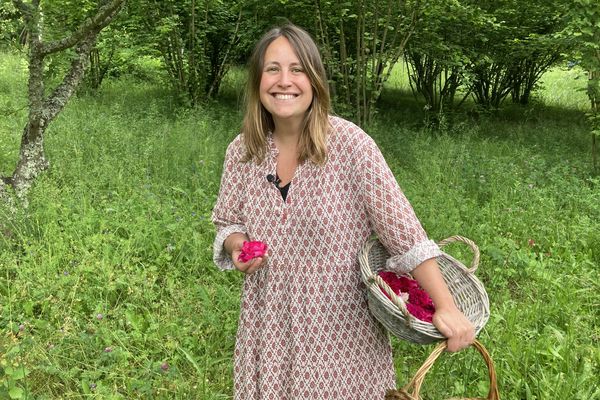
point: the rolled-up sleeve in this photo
(390, 214)
(227, 215)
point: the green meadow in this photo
(107, 287)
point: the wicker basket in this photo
(412, 390)
(468, 292)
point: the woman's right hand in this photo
(247, 267)
(233, 245)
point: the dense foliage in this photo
(490, 49)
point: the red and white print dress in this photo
(305, 331)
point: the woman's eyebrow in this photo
(294, 63)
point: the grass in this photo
(107, 288)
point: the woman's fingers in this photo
(254, 264)
(457, 328)
(462, 338)
(249, 267)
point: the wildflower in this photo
(531, 242)
(21, 328)
(108, 349)
(99, 316)
(164, 366)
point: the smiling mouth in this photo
(280, 96)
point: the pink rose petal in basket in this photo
(419, 304)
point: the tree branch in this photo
(92, 26)
(61, 94)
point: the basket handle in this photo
(394, 298)
(472, 245)
(417, 380)
(397, 300)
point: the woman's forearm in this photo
(430, 278)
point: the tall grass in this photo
(107, 288)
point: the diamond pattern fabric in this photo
(305, 331)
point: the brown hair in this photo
(258, 121)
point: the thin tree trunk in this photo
(223, 66)
(594, 153)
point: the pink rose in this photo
(420, 313)
(252, 250)
(419, 303)
(392, 280)
(419, 297)
(408, 284)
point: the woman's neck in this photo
(287, 135)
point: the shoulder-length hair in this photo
(258, 122)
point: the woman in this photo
(313, 187)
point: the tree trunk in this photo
(42, 110)
(594, 153)
(32, 160)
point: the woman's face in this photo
(285, 90)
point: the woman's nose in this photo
(284, 79)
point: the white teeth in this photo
(284, 96)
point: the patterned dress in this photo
(305, 331)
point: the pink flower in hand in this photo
(252, 250)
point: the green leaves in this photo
(11, 375)
(15, 393)
(16, 373)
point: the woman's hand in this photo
(233, 245)
(448, 319)
(453, 324)
(247, 267)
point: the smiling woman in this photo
(295, 51)
(305, 331)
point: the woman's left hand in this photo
(453, 324)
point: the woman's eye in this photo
(297, 70)
(272, 69)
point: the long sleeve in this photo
(227, 214)
(390, 213)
